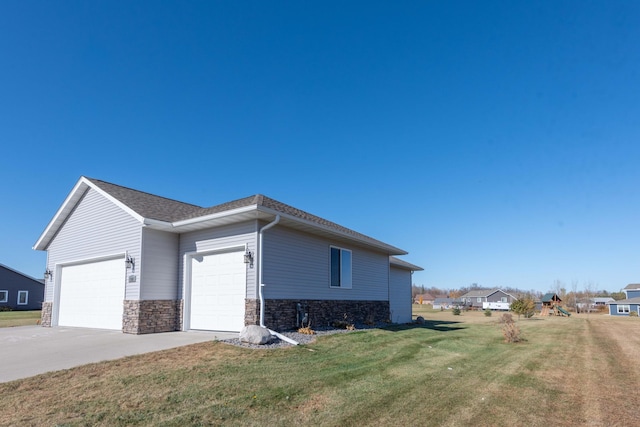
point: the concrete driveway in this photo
(26, 351)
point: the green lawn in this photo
(19, 318)
(452, 371)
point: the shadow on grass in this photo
(435, 325)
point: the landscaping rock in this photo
(254, 334)
(420, 320)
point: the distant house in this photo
(424, 299)
(599, 301)
(443, 303)
(19, 291)
(488, 298)
(629, 305)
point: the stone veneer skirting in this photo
(151, 316)
(45, 314)
(281, 314)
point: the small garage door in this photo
(218, 290)
(91, 295)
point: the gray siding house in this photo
(133, 261)
(479, 298)
(19, 291)
(629, 305)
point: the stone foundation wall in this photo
(151, 316)
(251, 312)
(281, 315)
(45, 314)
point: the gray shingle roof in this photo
(633, 286)
(148, 205)
(159, 208)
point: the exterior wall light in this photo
(248, 257)
(130, 262)
(48, 274)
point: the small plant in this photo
(633, 314)
(344, 323)
(456, 311)
(306, 331)
(487, 313)
(510, 330)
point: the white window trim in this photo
(621, 308)
(478, 299)
(6, 295)
(346, 282)
(26, 298)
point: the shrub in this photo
(306, 331)
(633, 314)
(487, 313)
(510, 330)
(456, 311)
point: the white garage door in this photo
(91, 295)
(218, 290)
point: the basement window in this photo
(4, 296)
(23, 297)
(340, 268)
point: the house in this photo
(19, 291)
(424, 299)
(123, 259)
(629, 305)
(443, 303)
(495, 299)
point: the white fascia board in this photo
(392, 250)
(214, 216)
(74, 195)
(67, 206)
(117, 202)
(157, 224)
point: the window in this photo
(479, 299)
(4, 296)
(23, 297)
(340, 268)
(503, 299)
(623, 309)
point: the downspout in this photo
(261, 284)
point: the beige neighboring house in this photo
(424, 299)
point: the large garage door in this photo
(91, 295)
(218, 290)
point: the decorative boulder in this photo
(254, 334)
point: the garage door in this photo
(218, 290)
(91, 295)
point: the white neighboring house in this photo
(123, 259)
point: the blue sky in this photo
(497, 142)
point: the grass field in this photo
(452, 371)
(19, 318)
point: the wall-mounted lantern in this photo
(248, 256)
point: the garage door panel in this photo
(218, 290)
(92, 294)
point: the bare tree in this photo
(574, 289)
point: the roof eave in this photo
(390, 250)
